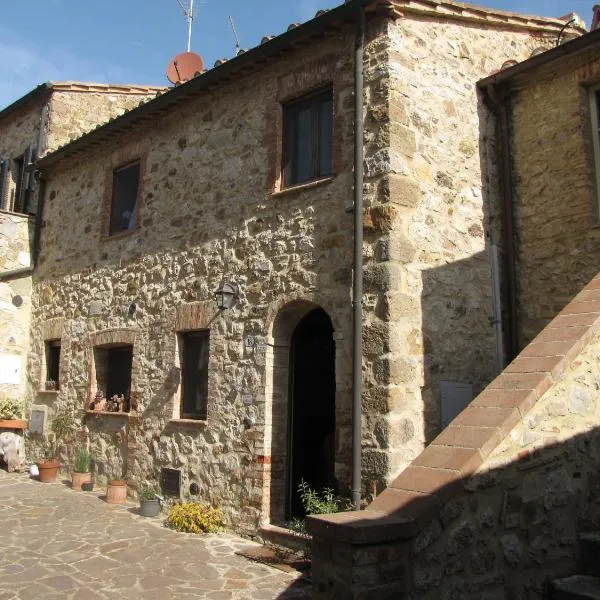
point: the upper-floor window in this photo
(595, 114)
(307, 138)
(123, 208)
(16, 183)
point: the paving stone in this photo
(58, 544)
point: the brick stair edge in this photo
(434, 476)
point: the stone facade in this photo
(555, 198)
(493, 508)
(46, 119)
(212, 205)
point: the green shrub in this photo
(193, 517)
(317, 503)
(10, 408)
(147, 493)
(83, 460)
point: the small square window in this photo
(307, 138)
(52, 364)
(123, 209)
(194, 374)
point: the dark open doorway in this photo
(312, 409)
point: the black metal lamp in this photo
(226, 295)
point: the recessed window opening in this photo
(113, 375)
(595, 117)
(52, 348)
(194, 374)
(123, 210)
(307, 138)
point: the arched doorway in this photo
(311, 414)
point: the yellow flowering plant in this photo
(193, 517)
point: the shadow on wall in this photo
(506, 531)
(459, 349)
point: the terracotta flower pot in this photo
(48, 470)
(116, 492)
(78, 479)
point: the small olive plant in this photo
(193, 517)
(62, 428)
(10, 408)
(317, 503)
(83, 460)
(148, 493)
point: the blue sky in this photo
(131, 41)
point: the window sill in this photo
(301, 187)
(42, 391)
(108, 237)
(18, 214)
(189, 422)
(109, 413)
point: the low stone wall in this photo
(495, 504)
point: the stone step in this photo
(576, 587)
(589, 542)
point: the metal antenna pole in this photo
(235, 35)
(190, 16)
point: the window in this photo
(113, 374)
(194, 374)
(595, 113)
(52, 364)
(16, 183)
(307, 138)
(123, 207)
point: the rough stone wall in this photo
(438, 205)
(526, 504)
(555, 200)
(16, 233)
(73, 113)
(207, 211)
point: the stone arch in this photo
(283, 319)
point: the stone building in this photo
(39, 122)
(217, 182)
(517, 470)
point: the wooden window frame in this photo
(289, 160)
(183, 335)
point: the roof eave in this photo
(39, 91)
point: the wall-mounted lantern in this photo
(226, 295)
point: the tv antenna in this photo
(188, 12)
(235, 35)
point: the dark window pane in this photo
(195, 374)
(307, 133)
(326, 129)
(124, 199)
(118, 381)
(52, 362)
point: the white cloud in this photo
(25, 66)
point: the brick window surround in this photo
(120, 160)
(189, 318)
(51, 334)
(100, 343)
(315, 75)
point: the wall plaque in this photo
(37, 421)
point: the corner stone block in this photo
(403, 190)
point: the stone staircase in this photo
(586, 585)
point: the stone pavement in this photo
(56, 543)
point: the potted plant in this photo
(150, 501)
(11, 413)
(63, 427)
(51, 385)
(82, 472)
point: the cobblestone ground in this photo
(56, 543)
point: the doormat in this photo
(289, 563)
